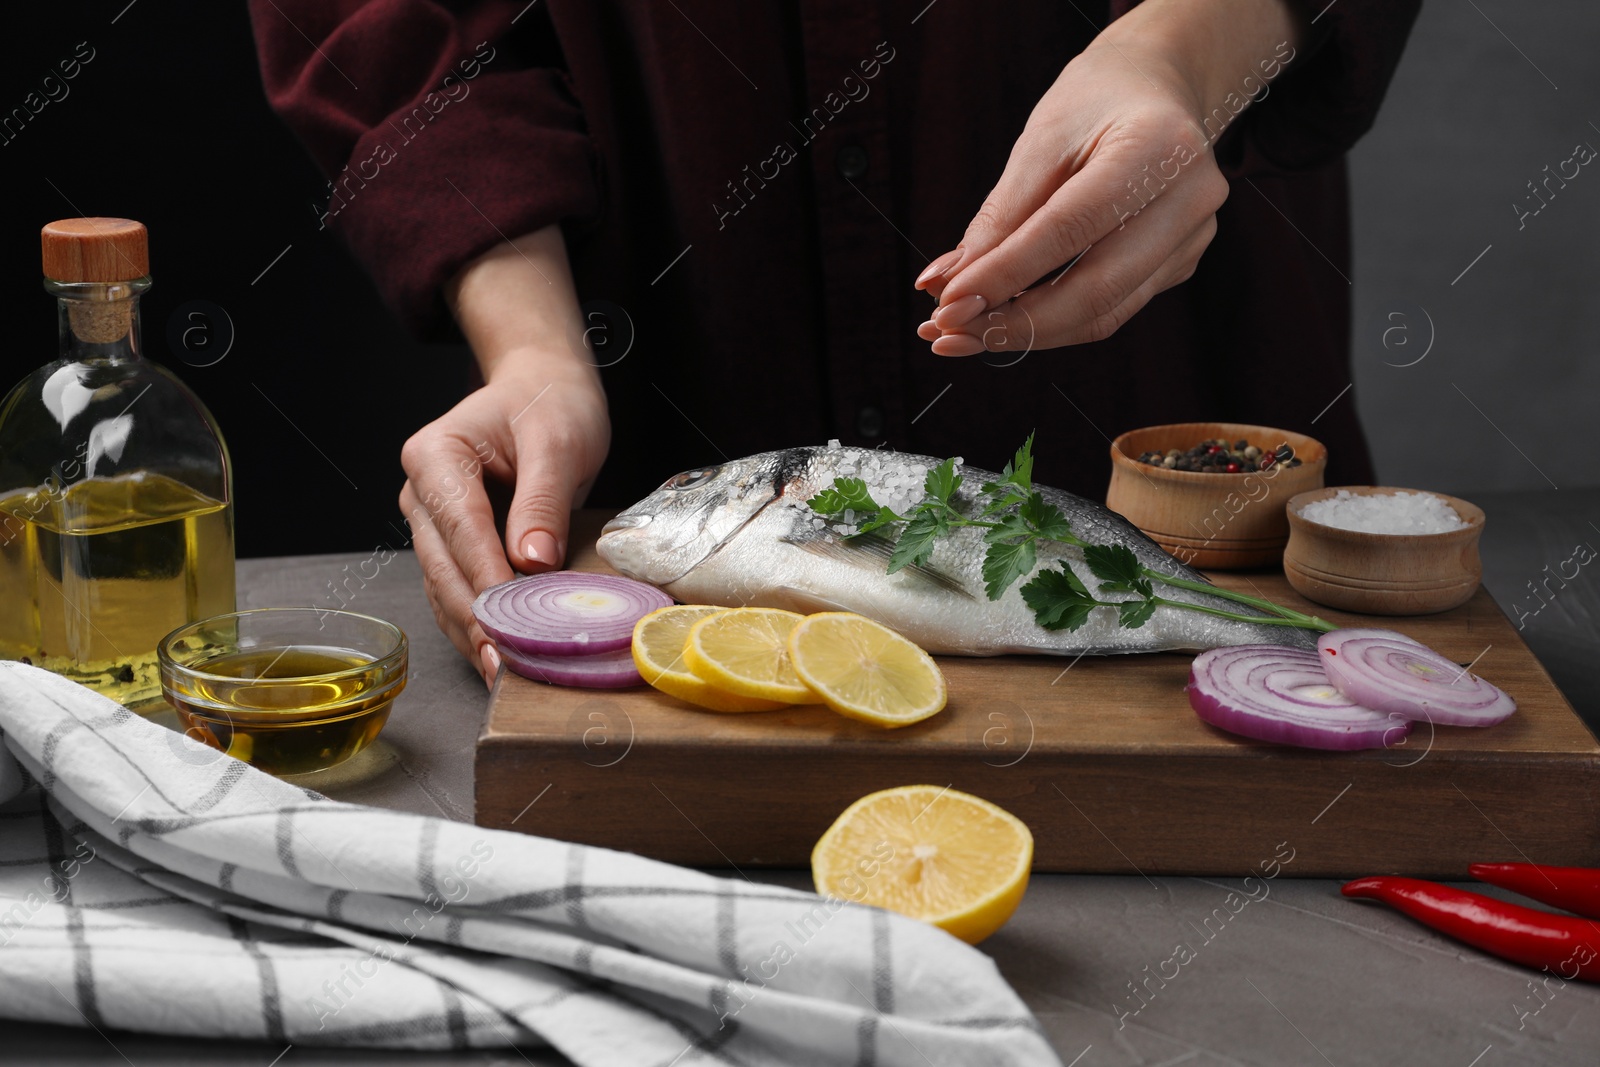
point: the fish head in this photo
(676, 528)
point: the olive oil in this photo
(286, 709)
(97, 572)
(116, 492)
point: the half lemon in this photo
(930, 852)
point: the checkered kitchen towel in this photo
(142, 874)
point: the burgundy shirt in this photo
(749, 189)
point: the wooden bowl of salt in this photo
(1383, 551)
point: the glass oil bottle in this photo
(116, 494)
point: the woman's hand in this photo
(539, 424)
(1110, 195)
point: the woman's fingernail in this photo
(928, 331)
(957, 344)
(959, 312)
(938, 267)
(542, 549)
(491, 665)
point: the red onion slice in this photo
(565, 613)
(1390, 672)
(601, 670)
(1275, 693)
(1392, 635)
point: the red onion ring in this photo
(601, 670)
(1280, 694)
(565, 613)
(1390, 672)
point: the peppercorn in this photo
(1221, 456)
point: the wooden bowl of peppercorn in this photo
(1213, 493)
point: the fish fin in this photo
(872, 549)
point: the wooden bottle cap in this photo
(95, 250)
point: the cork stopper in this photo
(95, 250)
(104, 251)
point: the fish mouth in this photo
(627, 548)
(624, 522)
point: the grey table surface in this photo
(1299, 977)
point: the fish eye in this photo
(691, 479)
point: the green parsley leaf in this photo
(846, 494)
(1004, 564)
(1046, 519)
(1072, 580)
(1000, 503)
(1010, 526)
(1019, 471)
(827, 503)
(942, 482)
(1058, 599)
(916, 540)
(1114, 563)
(884, 517)
(1135, 613)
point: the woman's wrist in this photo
(537, 367)
(518, 309)
(1220, 55)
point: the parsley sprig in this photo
(1015, 517)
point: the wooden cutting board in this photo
(1102, 758)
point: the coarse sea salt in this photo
(1384, 513)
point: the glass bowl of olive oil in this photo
(287, 690)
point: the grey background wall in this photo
(1508, 396)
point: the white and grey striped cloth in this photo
(142, 874)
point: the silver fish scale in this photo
(777, 552)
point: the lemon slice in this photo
(658, 641)
(865, 670)
(746, 651)
(930, 852)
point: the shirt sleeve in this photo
(1312, 103)
(444, 128)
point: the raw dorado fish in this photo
(742, 533)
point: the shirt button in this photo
(852, 161)
(869, 421)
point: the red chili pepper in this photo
(1576, 889)
(1568, 947)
